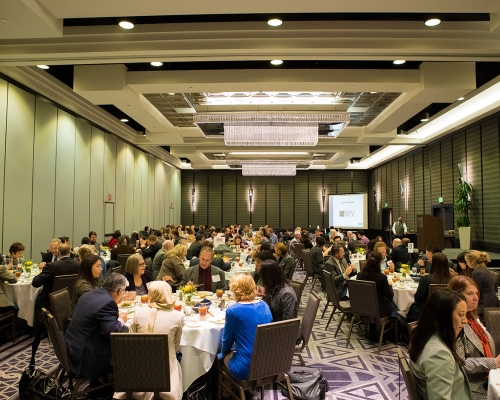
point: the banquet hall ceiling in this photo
(343, 51)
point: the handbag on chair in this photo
(36, 385)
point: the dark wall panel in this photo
(259, 207)
(474, 176)
(243, 201)
(215, 199)
(201, 201)
(287, 202)
(186, 204)
(301, 199)
(273, 201)
(316, 199)
(229, 191)
(447, 171)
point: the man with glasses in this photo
(88, 335)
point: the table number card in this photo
(218, 240)
(410, 247)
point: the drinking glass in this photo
(18, 274)
(188, 310)
(391, 268)
(414, 270)
(219, 293)
(27, 273)
(178, 306)
(144, 299)
(386, 271)
(422, 271)
(202, 310)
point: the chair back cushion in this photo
(411, 385)
(65, 281)
(492, 321)
(331, 292)
(307, 323)
(434, 287)
(122, 259)
(273, 349)
(148, 350)
(306, 256)
(57, 341)
(60, 305)
(363, 297)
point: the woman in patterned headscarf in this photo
(160, 317)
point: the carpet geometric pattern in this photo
(353, 373)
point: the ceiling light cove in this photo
(126, 25)
(269, 153)
(41, 66)
(432, 22)
(252, 98)
(399, 62)
(274, 22)
(277, 62)
(156, 63)
(124, 120)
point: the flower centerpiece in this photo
(405, 270)
(360, 250)
(187, 291)
(27, 265)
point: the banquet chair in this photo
(122, 259)
(272, 356)
(60, 306)
(306, 325)
(6, 316)
(411, 326)
(149, 265)
(492, 322)
(299, 256)
(118, 269)
(65, 281)
(144, 349)
(306, 254)
(61, 351)
(344, 307)
(434, 287)
(298, 287)
(411, 385)
(364, 307)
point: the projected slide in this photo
(348, 210)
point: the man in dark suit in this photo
(122, 248)
(341, 272)
(152, 247)
(65, 266)
(88, 335)
(53, 254)
(206, 274)
(194, 249)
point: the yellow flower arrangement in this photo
(405, 269)
(28, 264)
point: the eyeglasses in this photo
(142, 263)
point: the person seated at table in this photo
(440, 274)
(226, 246)
(219, 262)
(137, 275)
(239, 241)
(53, 253)
(284, 259)
(114, 239)
(172, 267)
(150, 247)
(194, 249)
(361, 237)
(306, 240)
(385, 294)
(276, 292)
(317, 257)
(395, 243)
(122, 247)
(205, 274)
(476, 261)
(400, 253)
(242, 319)
(166, 246)
(426, 261)
(462, 267)
(160, 317)
(433, 359)
(15, 256)
(381, 248)
(6, 275)
(88, 335)
(88, 278)
(259, 259)
(337, 265)
(476, 346)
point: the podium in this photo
(430, 231)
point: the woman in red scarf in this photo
(475, 346)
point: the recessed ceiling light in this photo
(171, 94)
(43, 66)
(460, 98)
(124, 120)
(126, 25)
(3, 19)
(156, 63)
(275, 22)
(432, 22)
(399, 62)
(424, 119)
(373, 92)
(277, 62)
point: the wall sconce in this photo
(250, 196)
(460, 173)
(324, 193)
(402, 189)
(375, 194)
(193, 191)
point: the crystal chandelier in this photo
(271, 129)
(269, 167)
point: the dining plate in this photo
(193, 324)
(205, 293)
(126, 304)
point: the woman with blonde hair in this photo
(172, 267)
(242, 319)
(476, 346)
(476, 261)
(160, 317)
(136, 274)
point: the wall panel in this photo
(4, 89)
(229, 189)
(18, 184)
(315, 208)
(215, 199)
(44, 175)
(243, 202)
(120, 191)
(97, 183)
(201, 186)
(187, 204)
(301, 195)
(259, 201)
(447, 171)
(130, 176)
(474, 177)
(287, 202)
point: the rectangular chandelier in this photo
(268, 129)
(269, 167)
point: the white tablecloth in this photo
(404, 297)
(494, 384)
(247, 269)
(199, 348)
(23, 295)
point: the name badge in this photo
(215, 278)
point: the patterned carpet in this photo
(354, 373)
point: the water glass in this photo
(414, 270)
(188, 310)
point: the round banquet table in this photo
(494, 384)
(23, 295)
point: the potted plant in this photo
(463, 205)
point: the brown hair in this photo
(459, 284)
(281, 247)
(243, 287)
(478, 258)
(15, 247)
(378, 245)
